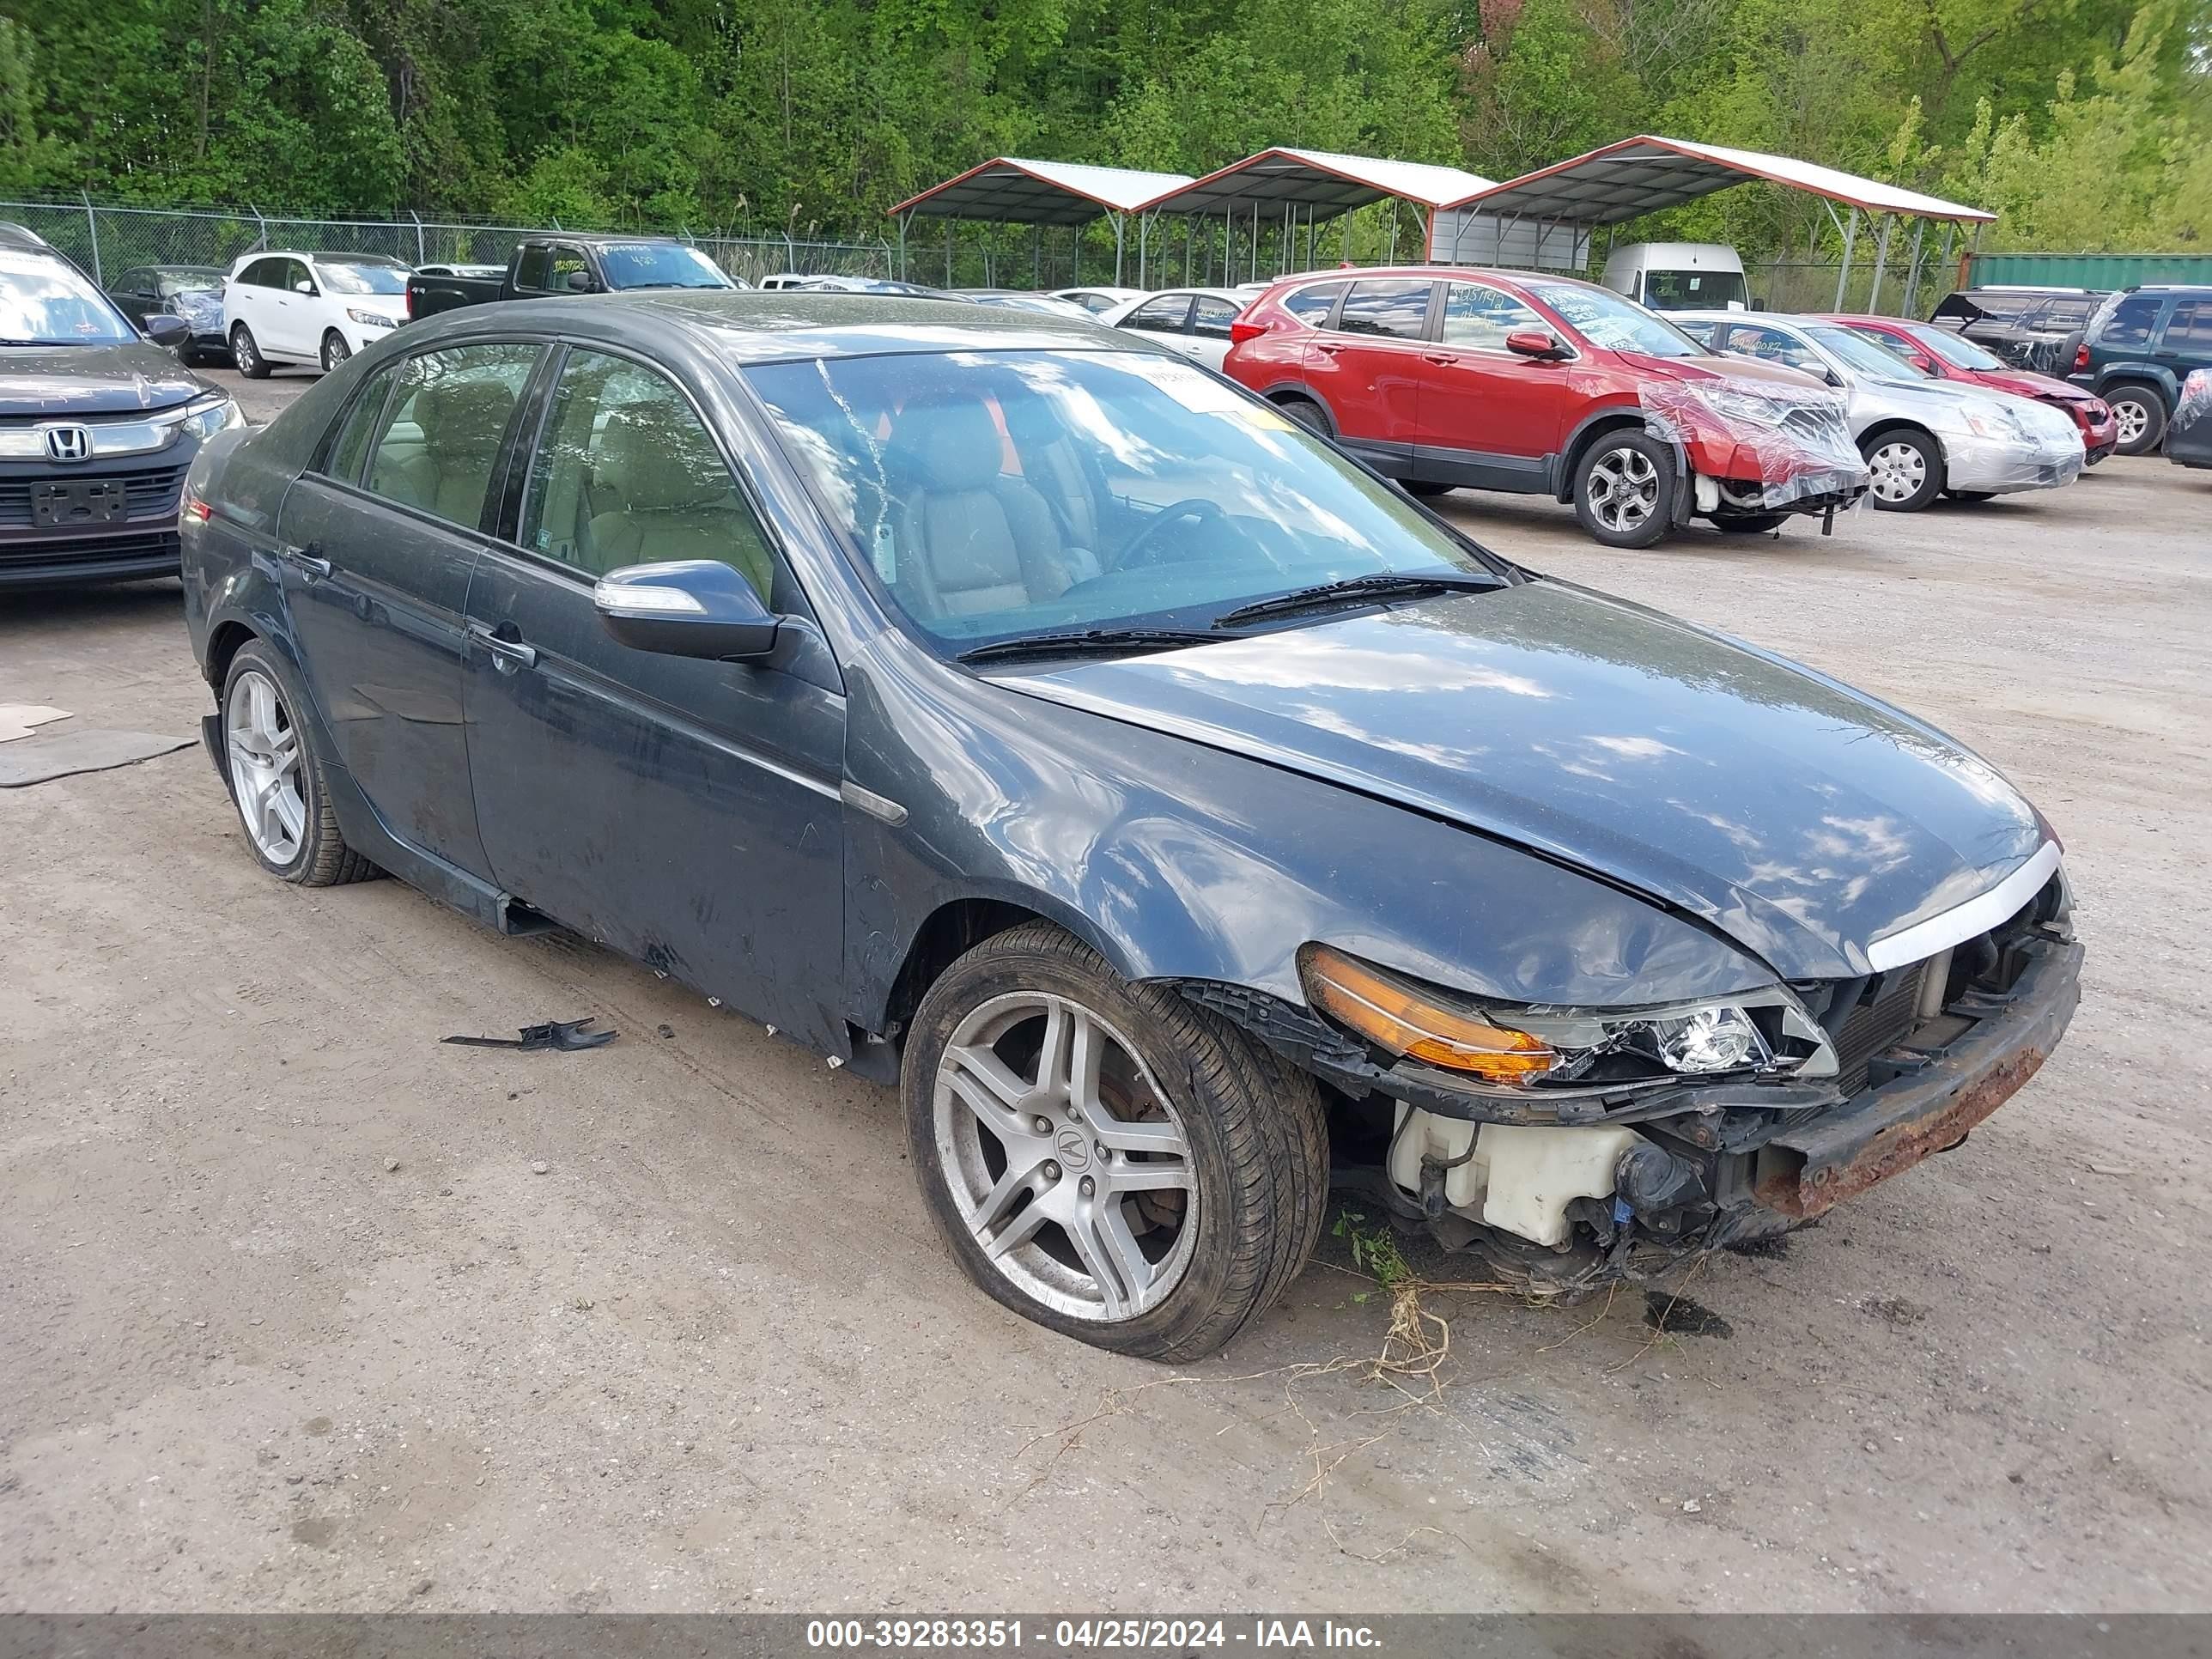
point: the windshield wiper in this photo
(1389, 583)
(1089, 642)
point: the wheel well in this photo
(1571, 463)
(952, 931)
(222, 645)
(1868, 437)
(2134, 383)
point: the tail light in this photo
(2082, 358)
(196, 509)
(1240, 332)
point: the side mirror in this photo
(685, 608)
(1539, 342)
(581, 282)
(164, 329)
(1830, 376)
(307, 288)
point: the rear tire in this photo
(1625, 489)
(1907, 468)
(335, 351)
(246, 354)
(2141, 414)
(276, 776)
(1307, 413)
(1221, 1143)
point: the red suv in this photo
(1524, 382)
(1951, 356)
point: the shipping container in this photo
(2098, 270)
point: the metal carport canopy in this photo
(1010, 189)
(1636, 176)
(1319, 180)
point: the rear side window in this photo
(2129, 323)
(1210, 318)
(437, 447)
(1396, 310)
(361, 424)
(1311, 305)
(2190, 328)
(1168, 314)
(531, 272)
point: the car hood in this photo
(113, 379)
(1801, 819)
(2025, 383)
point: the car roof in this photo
(756, 325)
(22, 236)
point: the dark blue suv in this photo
(2137, 350)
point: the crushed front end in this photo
(1755, 449)
(1614, 1166)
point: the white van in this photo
(1679, 275)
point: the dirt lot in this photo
(664, 1326)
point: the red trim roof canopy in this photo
(1010, 189)
(1640, 175)
(1328, 183)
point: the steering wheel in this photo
(1195, 508)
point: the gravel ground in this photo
(307, 1311)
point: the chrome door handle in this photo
(506, 655)
(308, 561)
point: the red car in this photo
(1518, 381)
(1953, 357)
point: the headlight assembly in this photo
(369, 319)
(211, 415)
(1765, 1031)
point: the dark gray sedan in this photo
(1181, 816)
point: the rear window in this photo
(1311, 305)
(2127, 319)
(1398, 310)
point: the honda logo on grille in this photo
(69, 443)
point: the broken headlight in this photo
(1766, 1032)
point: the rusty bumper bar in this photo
(1926, 1110)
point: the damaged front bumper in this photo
(1671, 1170)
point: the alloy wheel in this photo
(1623, 490)
(242, 349)
(335, 351)
(1066, 1162)
(265, 766)
(1899, 471)
(2131, 418)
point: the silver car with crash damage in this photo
(1921, 437)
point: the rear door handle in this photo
(308, 561)
(506, 655)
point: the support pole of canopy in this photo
(1036, 255)
(902, 218)
(1912, 276)
(1255, 238)
(1881, 261)
(1120, 224)
(1943, 259)
(948, 253)
(1143, 249)
(1844, 272)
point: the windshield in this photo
(1694, 290)
(1604, 319)
(1006, 494)
(344, 276)
(1955, 349)
(44, 302)
(660, 264)
(1861, 355)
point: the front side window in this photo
(1166, 315)
(1857, 353)
(293, 276)
(1772, 345)
(439, 444)
(1954, 348)
(567, 262)
(1210, 318)
(658, 265)
(1479, 317)
(365, 276)
(2127, 319)
(44, 302)
(626, 474)
(1396, 310)
(1604, 319)
(1311, 305)
(1181, 498)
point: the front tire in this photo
(1105, 1157)
(1907, 468)
(2140, 414)
(276, 777)
(246, 354)
(1625, 489)
(335, 351)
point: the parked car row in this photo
(1015, 712)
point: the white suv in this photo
(309, 307)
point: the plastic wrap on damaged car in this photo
(1784, 447)
(2194, 405)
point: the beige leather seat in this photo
(969, 539)
(462, 423)
(678, 500)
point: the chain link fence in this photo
(109, 241)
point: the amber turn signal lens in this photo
(1395, 1015)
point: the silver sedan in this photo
(1921, 437)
